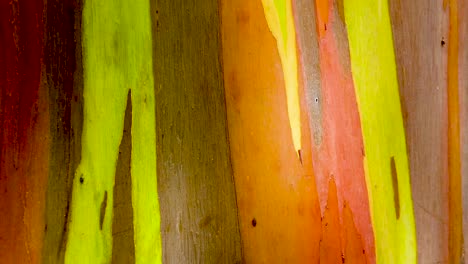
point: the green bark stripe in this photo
(117, 56)
(375, 79)
(281, 7)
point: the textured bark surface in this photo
(330, 244)
(197, 196)
(420, 36)
(309, 63)
(463, 82)
(64, 78)
(340, 155)
(278, 206)
(376, 84)
(281, 194)
(24, 132)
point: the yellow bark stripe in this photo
(386, 162)
(280, 20)
(117, 56)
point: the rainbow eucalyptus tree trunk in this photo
(91, 67)
(261, 65)
(233, 131)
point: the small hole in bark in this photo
(81, 179)
(254, 222)
(442, 42)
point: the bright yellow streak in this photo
(280, 20)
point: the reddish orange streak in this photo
(455, 195)
(322, 16)
(339, 157)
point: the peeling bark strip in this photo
(454, 163)
(375, 78)
(123, 243)
(194, 169)
(354, 251)
(117, 44)
(330, 243)
(340, 242)
(24, 132)
(339, 156)
(279, 16)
